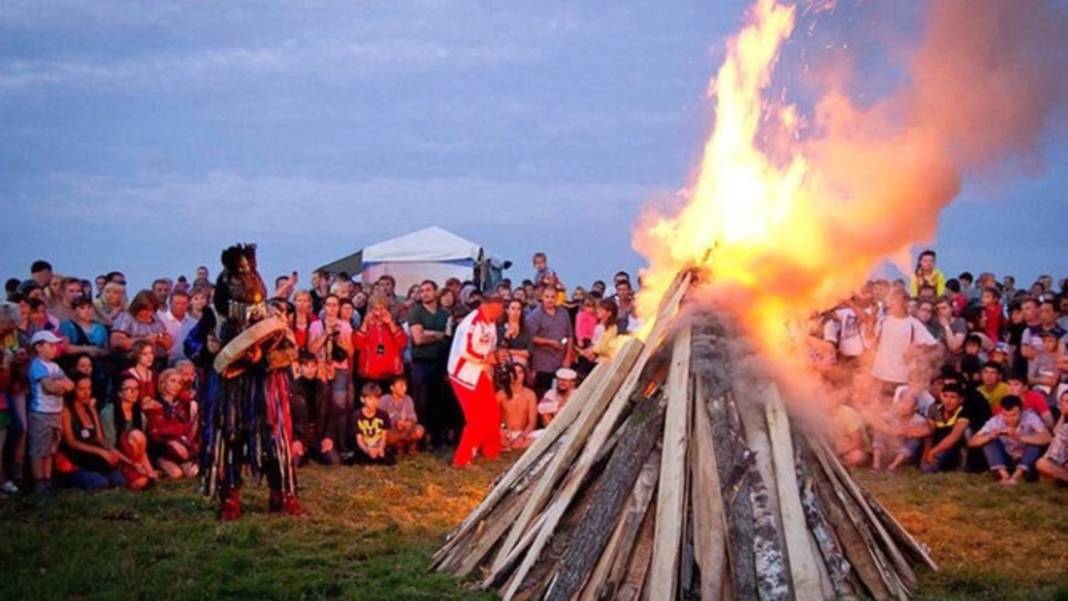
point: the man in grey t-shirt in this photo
(552, 332)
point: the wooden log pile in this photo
(674, 473)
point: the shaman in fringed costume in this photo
(245, 350)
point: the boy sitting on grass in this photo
(1054, 464)
(405, 432)
(899, 434)
(371, 426)
(1012, 441)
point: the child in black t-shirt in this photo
(371, 426)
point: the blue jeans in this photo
(89, 480)
(999, 458)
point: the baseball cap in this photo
(1003, 347)
(44, 336)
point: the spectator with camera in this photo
(331, 340)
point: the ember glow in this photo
(788, 213)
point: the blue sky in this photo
(145, 136)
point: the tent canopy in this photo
(430, 253)
(432, 244)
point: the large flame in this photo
(786, 220)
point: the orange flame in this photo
(744, 208)
(784, 224)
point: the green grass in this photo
(373, 530)
(370, 536)
(991, 542)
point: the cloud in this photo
(224, 200)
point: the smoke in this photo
(983, 86)
(789, 212)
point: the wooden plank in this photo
(838, 568)
(769, 548)
(713, 367)
(639, 561)
(710, 529)
(603, 581)
(901, 566)
(534, 452)
(856, 535)
(517, 552)
(601, 433)
(576, 438)
(476, 542)
(671, 490)
(804, 571)
(643, 428)
(903, 537)
(486, 539)
(732, 458)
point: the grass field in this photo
(373, 530)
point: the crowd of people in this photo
(101, 390)
(949, 374)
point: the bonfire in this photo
(693, 464)
(677, 472)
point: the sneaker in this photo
(9, 488)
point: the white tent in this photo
(432, 253)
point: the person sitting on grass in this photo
(1033, 400)
(1054, 464)
(557, 397)
(405, 432)
(849, 437)
(992, 388)
(1012, 441)
(371, 426)
(948, 424)
(93, 465)
(48, 384)
(918, 388)
(899, 435)
(171, 429)
(519, 410)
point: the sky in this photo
(147, 136)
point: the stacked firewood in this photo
(676, 473)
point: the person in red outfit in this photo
(992, 310)
(470, 373)
(171, 428)
(379, 344)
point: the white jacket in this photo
(473, 343)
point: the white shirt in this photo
(897, 335)
(844, 332)
(178, 329)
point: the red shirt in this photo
(300, 335)
(380, 352)
(1033, 400)
(994, 320)
(168, 422)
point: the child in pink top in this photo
(586, 322)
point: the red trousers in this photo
(482, 416)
